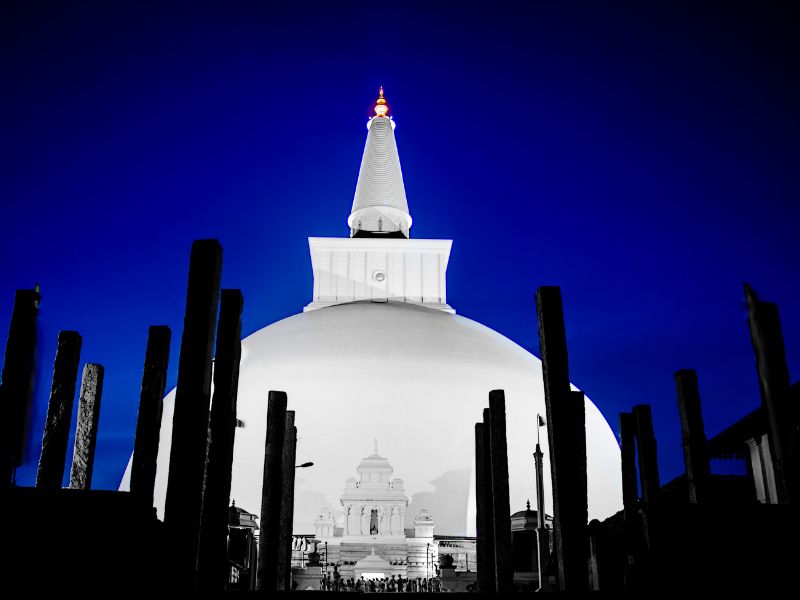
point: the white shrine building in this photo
(379, 352)
(373, 541)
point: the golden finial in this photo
(381, 108)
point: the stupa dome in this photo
(414, 378)
(379, 354)
(375, 463)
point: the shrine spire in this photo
(380, 208)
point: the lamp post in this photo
(304, 465)
(427, 562)
(542, 535)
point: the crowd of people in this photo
(336, 583)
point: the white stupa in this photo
(379, 353)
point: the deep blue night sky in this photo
(643, 158)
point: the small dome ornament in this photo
(381, 108)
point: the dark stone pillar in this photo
(542, 534)
(17, 387)
(773, 379)
(648, 458)
(284, 563)
(597, 544)
(213, 560)
(86, 435)
(187, 461)
(59, 411)
(695, 456)
(567, 440)
(271, 492)
(483, 512)
(645, 541)
(498, 450)
(487, 448)
(630, 484)
(148, 423)
(632, 537)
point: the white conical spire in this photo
(380, 207)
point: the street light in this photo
(304, 465)
(427, 563)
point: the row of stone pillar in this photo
(574, 542)
(638, 446)
(15, 400)
(201, 456)
(567, 442)
(636, 428)
(199, 480)
(638, 440)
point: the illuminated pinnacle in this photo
(379, 204)
(381, 108)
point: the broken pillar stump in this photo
(148, 422)
(284, 562)
(630, 483)
(89, 398)
(648, 457)
(483, 515)
(272, 492)
(498, 452)
(695, 456)
(59, 411)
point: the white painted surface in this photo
(380, 201)
(415, 378)
(353, 269)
